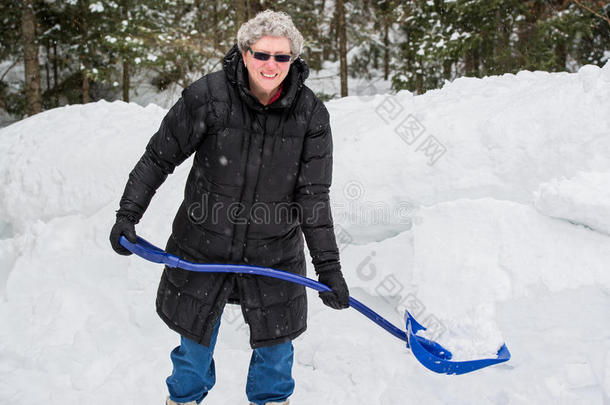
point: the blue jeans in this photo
(269, 375)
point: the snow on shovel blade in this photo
(438, 359)
(429, 353)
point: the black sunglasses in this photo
(266, 56)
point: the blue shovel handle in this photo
(429, 353)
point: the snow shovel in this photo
(429, 353)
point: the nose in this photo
(271, 63)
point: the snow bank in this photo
(472, 255)
(450, 204)
(496, 137)
(583, 199)
(70, 160)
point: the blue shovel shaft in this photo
(152, 253)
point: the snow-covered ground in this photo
(482, 207)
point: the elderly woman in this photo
(260, 181)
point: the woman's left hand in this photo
(338, 298)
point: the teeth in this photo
(268, 75)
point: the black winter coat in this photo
(259, 182)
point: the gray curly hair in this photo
(270, 23)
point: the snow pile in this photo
(70, 160)
(498, 137)
(464, 205)
(583, 199)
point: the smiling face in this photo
(266, 76)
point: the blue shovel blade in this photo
(438, 359)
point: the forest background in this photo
(59, 52)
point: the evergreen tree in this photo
(192, 38)
(444, 39)
(93, 49)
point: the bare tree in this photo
(240, 14)
(126, 80)
(342, 46)
(33, 95)
(254, 7)
(84, 30)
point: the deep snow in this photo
(482, 207)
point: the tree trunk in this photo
(472, 62)
(86, 88)
(447, 64)
(386, 48)
(420, 76)
(476, 62)
(326, 42)
(182, 67)
(561, 56)
(254, 7)
(84, 28)
(126, 83)
(46, 66)
(342, 46)
(216, 33)
(33, 95)
(55, 74)
(240, 14)
(268, 4)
